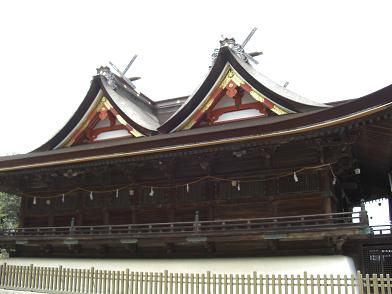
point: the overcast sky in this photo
(326, 50)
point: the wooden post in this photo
(249, 284)
(225, 284)
(122, 282)
(203, 283)
(150, 283)
(92, 282)
(165, 286)
(197, 284)
(60, 279)
(181, 283)
(132, 283)
(319, 284)
(273, 282)
(298, 284)
(338, 282)
(242, 284)
(214, 284)
(192, 283)
(53, 284)
(15, 277)
(367, 284)
(170, 284)
(84, 286)
(186, 283)
(382, 284)
(279, 284)
(156, 283)
(231, 284)
(305, 283)
(237, 284)
(160, 283)
(144, 284)
(126, 286)
(68, 280)
(136, 283)
(312, 284)
(389, 286)
(79, 279)
(176, 283)
(113, 276)
(117, 273)
(267, 284)
(345, 284)
(375, 284)
(219, 284)
(30, 279)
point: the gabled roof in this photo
(225, 62)
(136, 113)
(294, 117)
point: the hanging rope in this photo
(235, 182)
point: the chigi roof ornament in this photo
(123, 81)
(238, 48)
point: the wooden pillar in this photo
(327, 207)
(171, 213)
(79, 219)
(134, 215)
(23, 203)
(106, 220)
(51, 220)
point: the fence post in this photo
(30, 278)
(171, 286)
(150, 283)
(345, 284)
(237, 283)
(2, 268)
(165, 286)
(388, 277)
(155, 283)
(126, 286)
(254, 283)
(186, 283)
(122, 282)
(382, 284)
(375, 284)
(192, 283)
(175, 283)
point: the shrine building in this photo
(242, 167)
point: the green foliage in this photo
(9, 210)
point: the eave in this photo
(97, 85)
(227, 58)
(314, 123)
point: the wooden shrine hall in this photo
(242, 167)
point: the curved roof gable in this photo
(230, 71)
(105, 113)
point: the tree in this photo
(9, 210)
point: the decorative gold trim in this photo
(329, 123)
(103, 102)
(231, 76)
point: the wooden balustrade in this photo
(273, 224)
(67, 280)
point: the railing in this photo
(66, 280)
(216, 227)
